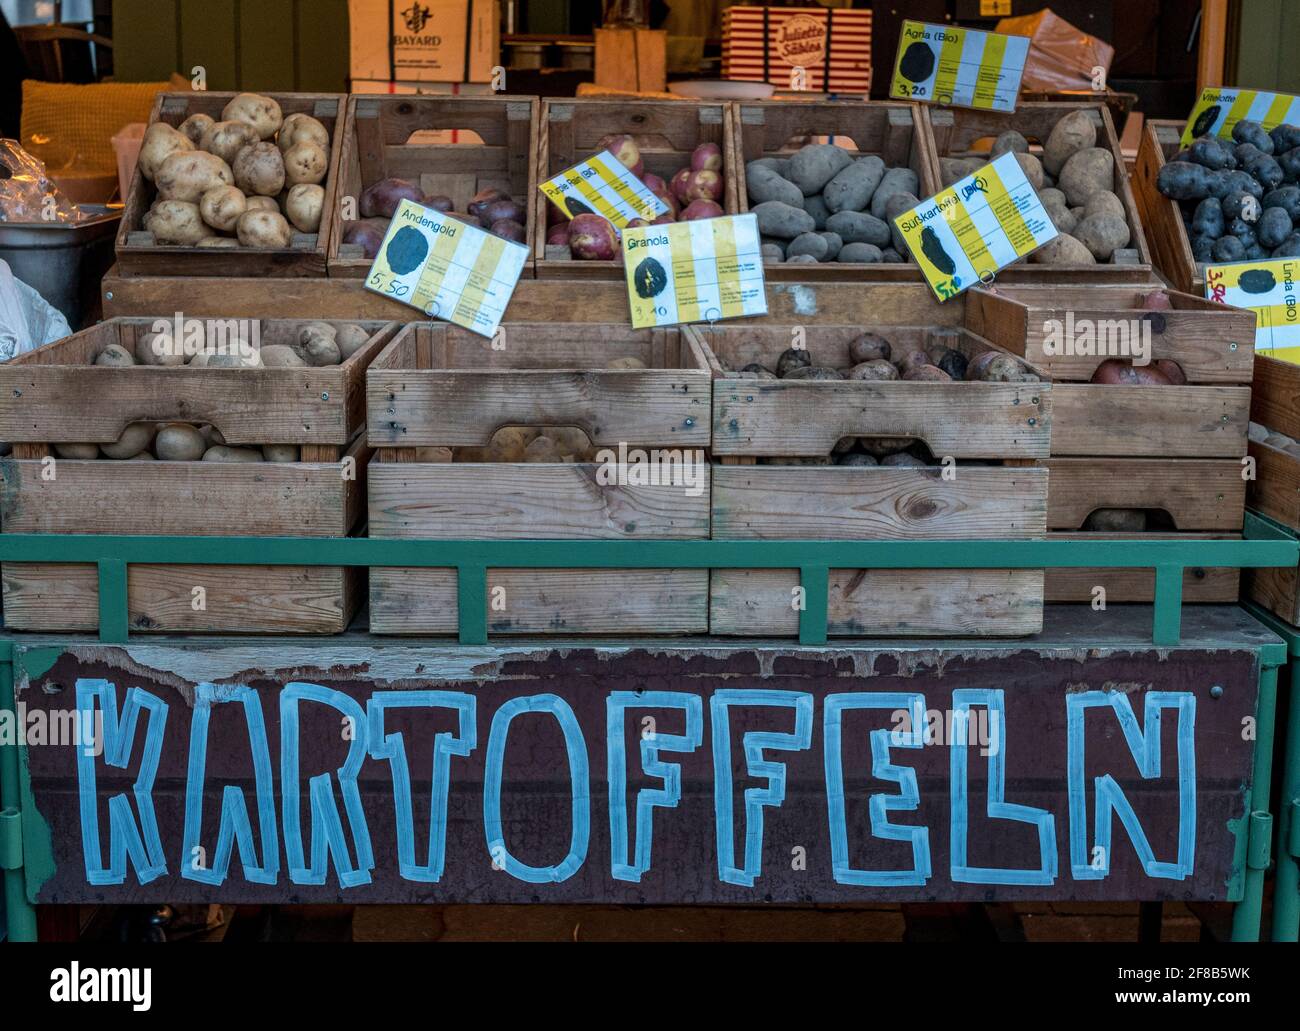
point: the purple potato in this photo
(365, 233)
(482, 199)
(508, 229)
(381, 199)
(502, 208)
(439, 202)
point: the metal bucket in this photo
(64, 260)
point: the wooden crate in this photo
(1206, 418)
(1198, 495)
(666, 132)
(437, 387)
(963, 132)
(1275, 491)
(1171, 247)
(470, 144)
(892, 131)
(55, 395)
(1201, 584)
(139, 255)
(298, 499)
(1275, 395)
(756, 420)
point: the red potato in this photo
(637, 223)
(381, 199)
(592, 238)
(1113, 371)
(659, 188)
(698, 209)
(704, 185)
(1157, 300)
(439, 202)
(625, 149)
(665, 219)
(706, 157)
(1171, 370)
(558, 234)
(678, 185)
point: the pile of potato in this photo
(176, 442)
(1240, 199)
(491, 209)
(874, 360)
(694, 192)
(1263, 435)
(822, 204)
(248, 180)
(318, 344)
(1075, 181)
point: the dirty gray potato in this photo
(1117, 520)
(859, 227)
(1032, 168)
(896, 205)
(953, 169)
(781, 166)
(1086, 172)
(82, 452)
(1058, 211)
(801, 259)
(892, 256)
(813, 372)
(808, 245)
(860, 253)
(281, 356)
(816, 206)
(763, 184)
(792, 358)
(876, 369)
(903, 460)
(1009, 142)
(1104, 202)
(773, 241)
(856, 459)
(280, 452)
(318, 345)
(114, 356)
(158, 349)
(881, 446)
(1075, 132)
(813, 166)
(350, 338)
(179, 442)
(222, 453)
(1063, 250)
(869, 347)
(1102, 235)
(896, 180)
(772, 253)
(1051, 195)
(833, 244)
(783, 220)
(853, 186)
(135, 438)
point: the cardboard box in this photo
(1061, 57)
(424, 40)
(800, 48)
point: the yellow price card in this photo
(978, 225)
(604, 186)
(700, 271)
(1268, 288)
(944, 64)
(446, 268)
(1218, 110)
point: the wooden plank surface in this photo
(546, 601)
(881, 602)
(442, 501)
(1275, 398)
(1133, 421)
(848, 503)
(1170, 245)
(807, 417)
(1203, 585)
(1277, 590)
(1275, 490)
(1207, 494)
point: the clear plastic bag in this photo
(27, 320)
(27, 194)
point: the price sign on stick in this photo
(446, 268)
(602, 185)
(942, 64)
(699, 271)
(1268, 288)
(978, 225)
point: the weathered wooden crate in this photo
(1275, 491)
(1275, 395)
(271, 499)
(1201, 584)
(56, 395)
(446, 145)
(1171, 247)
(1197, 495)
(756, 420)
(1205, 418)
(963, 132)
(53, 395)
(436, 388)
(890, 130)
(666, 132)
(139, 255)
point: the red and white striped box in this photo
(798, 48)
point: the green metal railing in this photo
(813, 559)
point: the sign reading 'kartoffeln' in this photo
(942, 64)
(978, 225)
(700, 271)
(446, 268)
(1268, 288)
(602, 185)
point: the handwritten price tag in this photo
(942, 64)
(446, 268)
(1268, 288)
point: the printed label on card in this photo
(446, 268)
(1218, 110)
(942, 64)
(700, 271)
(978, 225)
(1268, 288)
(602, 185)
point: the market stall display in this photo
(234, 184)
